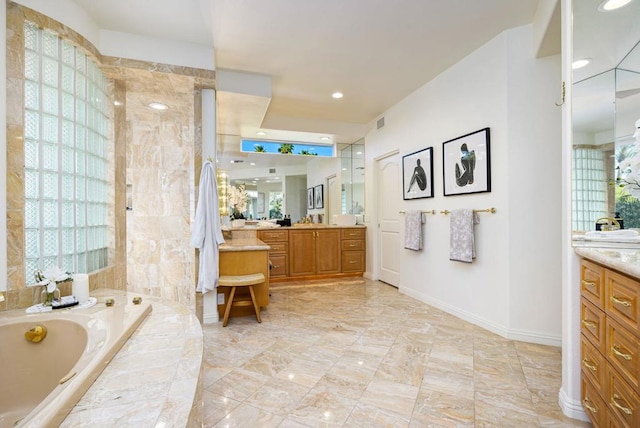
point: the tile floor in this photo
(357, 353)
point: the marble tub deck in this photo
(357, 353)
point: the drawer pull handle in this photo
(589, 324)
(588, 364)
(352, 262)
(620, 301)
(619, 353)
(589, 405)
(588, 283)
(276, 266)
(352, 245)
(625, 410)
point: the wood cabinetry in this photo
(278, 241)
(610, 346)
(315, 252)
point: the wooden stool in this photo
(235, 281)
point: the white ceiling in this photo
(374, 51)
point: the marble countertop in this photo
(243, 244)
(298, 226)
(154, 379)
(625, 260)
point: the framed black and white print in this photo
(417, 174)
(310, 198)
(466, 164)
(319, 195)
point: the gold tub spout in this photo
(36, 334)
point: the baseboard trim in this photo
(571, 408)
(513, 334)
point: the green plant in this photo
(259, 149)
(285, 148)
(307, 153)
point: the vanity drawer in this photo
(623, 352)
(592, 363)
(278, 247)
(593, 404)
(622, 401)
(592, 282)
(353, 233)
(353, 261)
(274, 235)
(279, 265)
(352, 245)
(623, 295)
(593, 324)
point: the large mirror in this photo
(605, 109)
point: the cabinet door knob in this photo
(589, 324)
(619, 353)
(588, 364)
(589, 405)
(618, 300)
(614, 401)
(588, 283)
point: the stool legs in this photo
(227, 310)
(255, 303)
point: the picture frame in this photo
(417, 174)
(310, 198)
(466, 164)
(319, 195)
(260, 202)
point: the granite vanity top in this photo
(625, 260)
(243, 244)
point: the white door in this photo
(388, 200)
(333, 198)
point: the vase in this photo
(47, 298)
(237, 223)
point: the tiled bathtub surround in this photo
(358, 353)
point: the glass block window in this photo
(589, 188)
(65, 148)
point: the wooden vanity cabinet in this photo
(610, 346)
(314, 252)
(278, 241)
(353, 250)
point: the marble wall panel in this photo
(153, 151)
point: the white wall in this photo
(112, 43)
(502, 87)
(318, 170)
(3, 147)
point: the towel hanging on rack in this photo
(413, 230)
(461, 239)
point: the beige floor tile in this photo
(357, 353)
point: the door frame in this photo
(378, 197)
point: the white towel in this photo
(413, 221)
(207, 233)
(461, 240)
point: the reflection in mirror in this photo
(352, 164)
(605, 107)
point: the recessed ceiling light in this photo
(158, 106)
(580, 63)
(325, 138)
(117, 103)
(261, 133)
(358, 153)
(609, 5)
(252, 164)
(337, 95)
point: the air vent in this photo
(272, 170)
(380, 122)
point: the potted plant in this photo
(238, 203)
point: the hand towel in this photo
(461, 240)
(413, 230)
(207, 231)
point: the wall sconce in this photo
(222, 178)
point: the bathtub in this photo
(41, 382)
